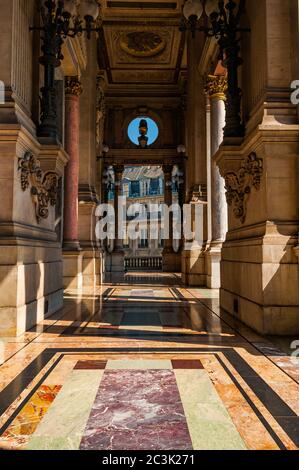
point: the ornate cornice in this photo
(239, 185)
(73, 86)
(44, 185)
(216, 86)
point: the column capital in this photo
(118, 172)
(73, 86)
(167, 169)
(216, 87)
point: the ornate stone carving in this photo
(44, 185)
(142, 43)
(216, 86)
(239, 185)
(73, 86)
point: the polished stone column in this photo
(73, 89)
(182, 196)
(118, 175)
(181, 187)
(168, 253)
(216, 88)
(72, 255)
(117, 264)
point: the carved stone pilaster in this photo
(240, 184)
(44, 185)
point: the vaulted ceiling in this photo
(140, 44)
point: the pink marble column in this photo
(73, 90)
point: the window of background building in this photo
(143, 242)
(155, 187)
(135, 189)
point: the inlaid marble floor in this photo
(145, 363)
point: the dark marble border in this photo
(282, 413)
(253, 406)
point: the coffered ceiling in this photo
(140, 43)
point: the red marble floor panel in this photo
(137, 410)
(186, 365)
(90, 365)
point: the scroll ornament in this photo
(239, 185)
(44, 185)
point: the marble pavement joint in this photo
(44, 185)
(239, 185)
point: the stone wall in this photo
(31, 262)
(259, 269)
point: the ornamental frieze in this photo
(142, 43)
(239, 185)
(44, 185)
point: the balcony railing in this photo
(144, 264)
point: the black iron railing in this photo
(144, 264)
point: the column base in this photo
(93, 267)
(115, 262)
(193, 268)
(213, 259)
(31, 290)
(17, 320)
(72, 269)
(260, 278)
(171, 262)
(71, 245)
(266, 320)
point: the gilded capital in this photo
(216, 86)
(73, 86)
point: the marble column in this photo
(117, 263)
(182, 194)
(168, 252)
(216, 87)
(72, 266)
(181, 182)
(73, 90)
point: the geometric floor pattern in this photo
(146, 364)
